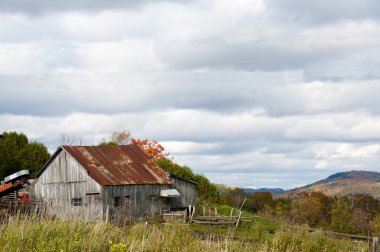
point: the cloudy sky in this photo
(253, 93)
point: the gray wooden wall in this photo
(62, 181)
(187, 191)
(136, 201)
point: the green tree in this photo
(16, 153)
(109, 143)
(259, 201)
(375, 225)
(176, 169)
(34, 155)
(341, 216)
(282, 207)
(205, 189)
(11, 146)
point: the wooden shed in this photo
(101, 182)
(187, 190)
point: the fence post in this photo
(241, 207)
(192, 213)
(107, 212)
(375, 244)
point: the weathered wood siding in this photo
(135, 201)
(61, 182)
(187, 191)
(64, 180)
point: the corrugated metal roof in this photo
(118, 165)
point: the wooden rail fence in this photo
(374, 240)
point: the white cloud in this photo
(316, 12)
(187, 147)
(249, 92)
(41, 7)
(16, 59)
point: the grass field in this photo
(259, 235)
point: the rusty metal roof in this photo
(118, 165)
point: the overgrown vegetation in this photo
(261, 235)
(206, 190)
(354, 214)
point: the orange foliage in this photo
(153, 149)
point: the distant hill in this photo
(225, 188)
(344, 183)
(274, 191)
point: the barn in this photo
(105, 182)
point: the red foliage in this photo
(153, 149)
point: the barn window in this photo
(116, 202)
(77, 201)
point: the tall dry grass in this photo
(36, 234)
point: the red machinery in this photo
(15, 182)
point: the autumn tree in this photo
(153, 149)
(234, 197)
(363, 209)
(258, 201)
(282, 207)
(123, 137)
(312, 208)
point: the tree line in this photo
(352, 214)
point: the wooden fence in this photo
(212, 218)
(373, 240)
(17, 208)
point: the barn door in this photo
(94, 208)
(127, 209)
(164, 205)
